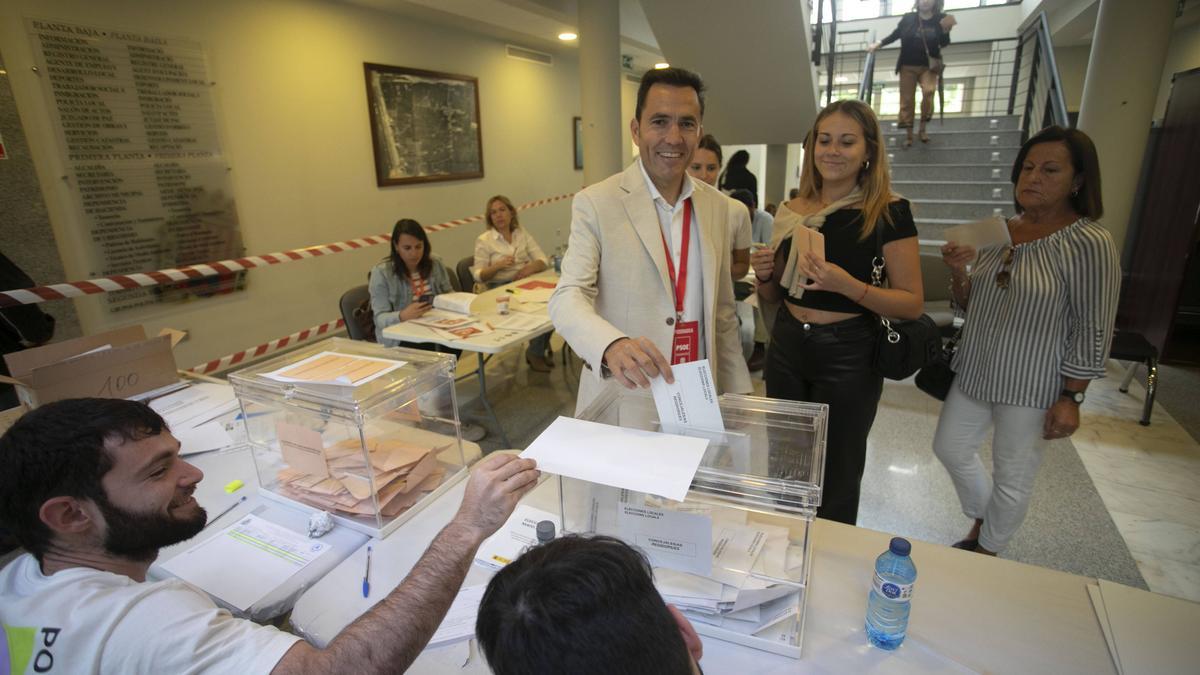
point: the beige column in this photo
(1129, 50)
(600, 88)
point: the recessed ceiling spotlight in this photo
(661, 65)
(567, 37)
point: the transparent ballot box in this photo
(735, 554)
(367, 433)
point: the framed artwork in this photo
(578, 128)
(424, 125)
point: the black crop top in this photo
(843, 248)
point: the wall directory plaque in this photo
(424, 125)
(137, 137)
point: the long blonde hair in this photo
(874, 178)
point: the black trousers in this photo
(831, 364)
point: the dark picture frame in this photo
(425, 125)
(577, 128)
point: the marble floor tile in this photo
(1156, 537)
(1169, 577)
(1147, 502)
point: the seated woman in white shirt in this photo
(505, 252)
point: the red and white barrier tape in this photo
(266, 348)
(119, 282)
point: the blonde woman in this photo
(823, 340)
(506, 252)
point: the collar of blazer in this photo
(710, 212)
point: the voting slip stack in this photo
(398, 475)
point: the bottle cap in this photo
(545, 531)
(900, 546)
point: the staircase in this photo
(961, 174)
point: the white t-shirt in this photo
(740, 229)
(83, 620)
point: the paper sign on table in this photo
(980, 234)
(459, 623)
(644, 461)
(195, 404)
(680, 541)
(264, 554)
(690, 402)
(518, 532)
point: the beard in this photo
(139, 536)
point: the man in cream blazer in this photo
(615, 304)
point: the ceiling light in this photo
(661, 65)
(567, 37)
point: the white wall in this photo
(757, 165)
(291, 109)
(1072, 69)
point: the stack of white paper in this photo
(454, 302)
(192, 413)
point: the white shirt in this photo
(670, 220)
(84, 620)
(490, 247)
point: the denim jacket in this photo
(390, 294)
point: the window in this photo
(851, 10)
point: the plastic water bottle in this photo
(891, 595)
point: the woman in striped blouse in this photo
(1039, 322)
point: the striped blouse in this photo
(1054, 320)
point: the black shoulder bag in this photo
(903, 347)
(936, 378)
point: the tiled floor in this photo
(1149, 479)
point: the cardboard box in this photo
(125, 365)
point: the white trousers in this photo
(1001, 499)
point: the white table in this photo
(483, 308)
(220, 468)
(970, 612)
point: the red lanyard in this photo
(680, 284)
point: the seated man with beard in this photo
(93, 488)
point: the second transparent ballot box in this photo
(367, 433)
(735, 554)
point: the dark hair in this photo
(413, 229)
(746, 197)
(739, 159)
(59, 450)
(579, 605)
(672, 77)
(709, 142)
(1086, 201)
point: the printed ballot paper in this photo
(264, 554)
(689, 403)
(644, 461)
(459, 623)
(519, 532)
(672, 539)
(332, 368)
(980, 234)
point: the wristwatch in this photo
(1074, 396)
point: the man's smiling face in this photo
(667, 134)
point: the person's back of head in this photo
(579, 605)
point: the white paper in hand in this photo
(980, 234)
(644, 461)
(689, 403)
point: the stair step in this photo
(921, 153)
(934, 229)
(965, 123)
(962, 210)
(957, 139)
(934, 172)
(917, 190)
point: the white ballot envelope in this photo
(690, 402)
(980, 234)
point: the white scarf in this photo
(793, 280)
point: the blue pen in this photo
(367, 575)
